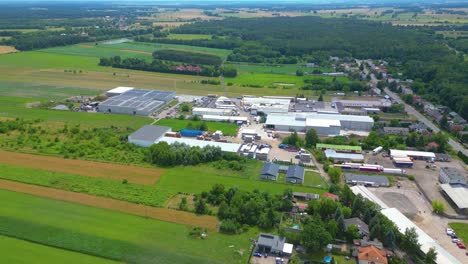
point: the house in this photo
(402, 131)
(295, 174)
(270, 171)
(363, 227)
(331, 196)
(372, 255)
(432, 145)
(418, 128)
(272, 244)
(457, 118)
(306, 196)
(452, 176)
(456, 127)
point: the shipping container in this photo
(190, 133)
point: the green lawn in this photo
(314, 179)
(461, 229)
(44, 60)
(115, 235)
(281, 69)
(189, 36)
(22, 252)
(228, 129)
(16, 107)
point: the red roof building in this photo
(433, 144)
(331, 195)
(371, 254)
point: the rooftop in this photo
(330, 153)
(338, 147)
(357, 222)
(270, 169)
(381, 180)
(276, 243)
(295, 171)
(149, 133)
(372, 254)
(140, 100)
(453, 173)
(457, 193)
(120, 90)
(404, 153)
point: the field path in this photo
(133, 174)
(163, 214)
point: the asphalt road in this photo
(410, 110)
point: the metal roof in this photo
(338, 147)
(368, 195)
(226, 147)
(140, 100)
(457, 193)
(276, 243)
(270, 169)
(296, 172)
(381, 180)
(149, 133)
(403, 153)
(330, 153)
(299, 119)
(120, 90)
(454, 174)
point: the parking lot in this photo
(268, 260)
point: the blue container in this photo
(191, 133)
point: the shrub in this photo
(411, 177)
(229, 226)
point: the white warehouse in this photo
(325, 124)
(213, 111)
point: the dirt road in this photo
(82, 167)
(163, 214)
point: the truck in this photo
(372, 169)
(377, 150)
(394, 171)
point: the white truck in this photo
(377, 150)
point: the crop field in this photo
(24, 252)
(7, 49)
(15, 107)
(18, 89)
(228, 129)
(115, 235)
(87, 168)
(163, 214)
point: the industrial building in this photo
(118, 91)
(341, 148)
(224, 146)
(265, 106)
(363, 103)
(136, 102)
(222, 118)
(458, 195)
(343, 157)
(422, 155)
(200, 111)
(147, 135)
(366, 180)
(452, 176)
(324, 124)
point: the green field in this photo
(461, 229)
(128, 49)
(114, 235)
(15, 107)
(189, 36)
(314, 179)
(22, 252)
(228, 129)
(187, 179)
(47, 92)
(277, 80)
(280, 68)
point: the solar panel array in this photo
(138, 102)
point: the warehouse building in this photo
(422, 155)
(325, 124)
(147, 135)
(340, 148)
(118, 91)
(213, 111)
(266, 106)
(224, 146)
(222, 118)
(364, 103)
(458, 195)
(136, 102)
(343, 157)
(366, 180)
(452, 176)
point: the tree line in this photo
(188, 57)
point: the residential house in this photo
(272, 244)
(372, 255)
(420, 128)
(432, 145)
(331, 196)
(457, 118)
(402, 131)
(306, 196)
(363, 227)
(295, 174)
(270, 171)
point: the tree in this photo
(320, 99)
(311, 138)
(444, 122)
(410, 241)
(352, 232)
(335, 174)
(183, 204)
(438, 206)
(299, 72)
(293, 140)
(200, 206)
(203, 126)
(185, 107)
(346, 196)
(431, 256)
(314, 237)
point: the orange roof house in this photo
(372, 254)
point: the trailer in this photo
(394, 171)
(371, 169)
(377, 150)
(404, 164)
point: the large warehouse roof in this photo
(368, 195)
(226, 147)
(403, 223)
(338, 147)
(300, 119)
(457, 193)
(322, 123)
(149, 133)
(119, 90)
(142, 102)
(330, 153)
(411, 153)
(381, 180)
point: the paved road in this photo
(455, 145)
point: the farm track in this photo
(163, 214)
(7, 49)
(133, 174)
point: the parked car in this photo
(282, 146)
(257, 254)
(455, 240)
(461, 245)
(448, 230)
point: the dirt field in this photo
(86, 168)
(7, 49)
(163, 214)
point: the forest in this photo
(187, 57)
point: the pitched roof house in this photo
(371, 254)
(269, 171)
(295, 174)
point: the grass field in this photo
(189, 36)
(15, 107)
(461, 229)
(18, 89)
(115, 235)
(228, 129)
(282, 69)
(314, 179)
(23, 252)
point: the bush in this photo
(411, 177)
(438, 207)
(229, 226)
